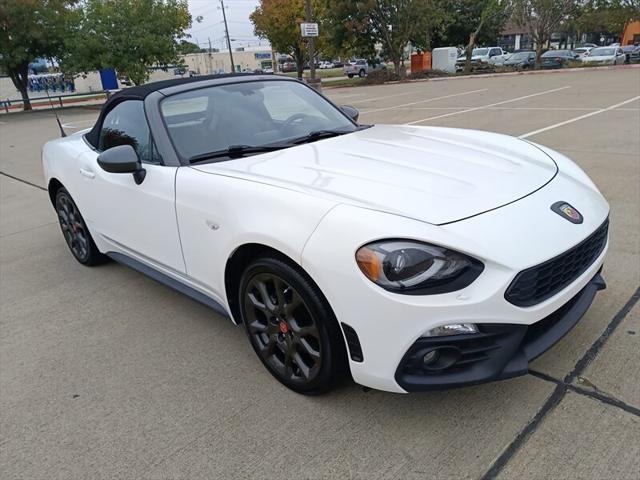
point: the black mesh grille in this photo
(536, 284)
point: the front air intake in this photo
(353, 343)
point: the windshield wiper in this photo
(238, 151)
(319, 134)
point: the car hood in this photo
(433, 174)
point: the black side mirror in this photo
(122, 159)
(350, 112)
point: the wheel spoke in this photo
(303, 331)
(306, 346)
(279, 287)
(258, 304)
(257, 327)
(301, 365)
(264, 293)
(295, 302)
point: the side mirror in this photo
(122, 159)
(350, 112)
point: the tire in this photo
(291, 326)
(350, 75)
(75, 231)
(362, 73)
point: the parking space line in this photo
(424, 101)
(489, 105)
(386, 96)
(576, 119)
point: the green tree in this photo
(606, 15)
(542, 18)
(393, 23)
(186, 47)
(128, 35)
(31, 29)
(279, 22)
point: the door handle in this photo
(87, 173)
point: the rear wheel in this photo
(350, 75)
(362, 73)
(291, 326)
(75, 231)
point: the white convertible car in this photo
(411, 258)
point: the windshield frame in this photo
(185, 161)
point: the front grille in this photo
(536, 284)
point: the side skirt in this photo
(168, 281)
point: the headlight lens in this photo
(416, 268)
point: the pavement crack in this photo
(561, 388)
(591, 353)
(26, 182)
(590, 390)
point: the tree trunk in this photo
(538, 55)
(396, 66)
(299, 57)
(20, 78)
(472, 43)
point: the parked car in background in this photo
(326, 65)
(288, 67)
(582, 51)
(605, 56)
(484, 55)
(521, 60)
(558, 58)
(362, 68)
(632, 53)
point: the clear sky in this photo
(212, 26)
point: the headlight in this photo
(416, 268)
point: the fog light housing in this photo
(452, 329)
(430, 358)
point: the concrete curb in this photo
(498, 74)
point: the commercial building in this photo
(218, 62)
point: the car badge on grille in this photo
(567, 212)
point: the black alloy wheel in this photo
(291, 327)
(75, 230)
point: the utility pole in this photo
(312, 62)
(226, 30)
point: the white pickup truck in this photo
(362, 68)
(488, 55)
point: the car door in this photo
(137, 220)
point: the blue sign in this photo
(263, 55)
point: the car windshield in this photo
(520, 56)
(249, 114)
(479, 52)
(602, 52)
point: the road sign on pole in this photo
(309, 29)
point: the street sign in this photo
(309, 29)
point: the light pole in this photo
(226, 31)
(312, 63)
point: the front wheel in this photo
(362, 73)
(350, 75)
(291, 326)
(75, 231)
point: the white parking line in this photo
(424, 101)
(489, 105)
(581, 117)
(386, 96)
(73, 124)
(550, 109)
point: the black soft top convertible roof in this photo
(141, 92)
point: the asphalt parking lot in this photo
(107, 374)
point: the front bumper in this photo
(498, 352)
